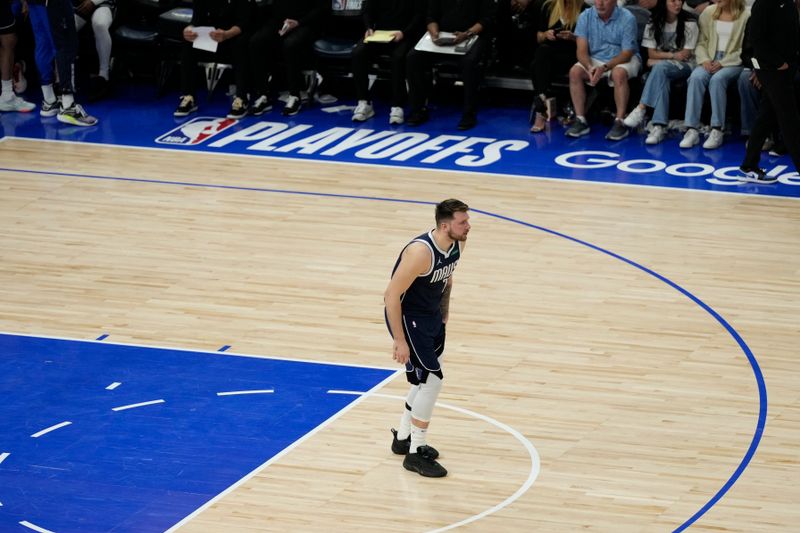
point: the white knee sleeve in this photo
(426, 398)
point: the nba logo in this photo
(196, 131)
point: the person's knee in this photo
(619, 76)
(577, 73)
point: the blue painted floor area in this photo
(143, 469)
(500, 144)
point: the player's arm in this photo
(416, 260)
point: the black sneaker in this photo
(418, 117)
(423, 463)
(401, 447)
(756, 175)
(618, 131)
(238, 108)
(579, 128)
(186, 106)
(261, 106)
(293, 104)
(468, 121)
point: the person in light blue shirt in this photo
(607, 47)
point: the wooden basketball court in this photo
(589, 318)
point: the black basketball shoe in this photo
(401, 447)
(422, 463)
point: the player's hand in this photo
(401, 352)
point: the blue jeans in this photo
(748, 96)
(657, 86)
(717, 85)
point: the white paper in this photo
(427, 45)
(204, 40)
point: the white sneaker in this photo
(363, 111)
(690, 138)
(15, 103)
(714, 139)
(396, 115)
(657, 134)
(635, 117)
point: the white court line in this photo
(189, 350)
(254, 391)
(51, 428)
(3, 456)
(135, 405)
(113, 385)
(534, 454)
(280, 454)
(34, 527)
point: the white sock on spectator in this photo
(8, 90)
(48, 93)
(67, 100)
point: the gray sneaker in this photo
(49, 109)
(618, 131)
(578, 129)
(76, 116)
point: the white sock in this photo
(417, 438)
(581, 118)
(404, 430)
(48, 93)
(8, 90)
(67, 100)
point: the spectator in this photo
(229, 20)
(514, 36)
(289, 34)
(555, 52)
(9, 101)
(670, 39)
(606, 48)
(718, 52)
(101, 14)
(464, 18)
(406, 19)
(775, 34)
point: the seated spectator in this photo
(514, 36)
(555, 52)
(406, 19)
(670, 39)
(229, 20)
(464, 18)
(9, 101)
(288, 34)
(606, 48)
(718, 53)
(775, 33)
(101, 14)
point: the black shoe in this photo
(756, 175)
(238, 108)
(261, 106)
(292, 106)
(417, 117)
(401, 447)
(99, 89)
(468, 121)
(422, 463)
(186, 106)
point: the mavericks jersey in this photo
(424, 296)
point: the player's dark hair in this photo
(447, 208)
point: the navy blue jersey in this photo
(424, 296)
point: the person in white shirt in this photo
(670, 38)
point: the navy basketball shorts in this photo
(7, 23)
(425, 337)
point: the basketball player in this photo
(417, 302)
